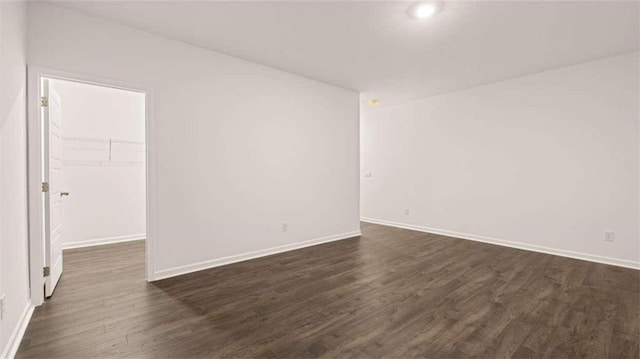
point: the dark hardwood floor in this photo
(390, 293)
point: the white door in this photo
(52, 162)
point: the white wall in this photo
(14, 281)
(106, 180)
(241, 148)
(547, 160)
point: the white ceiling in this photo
(375, 48)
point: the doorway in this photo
(88, 171)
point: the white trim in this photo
(36, 244)
(106, 240)
(34, 169)
(189, 268)
(151, 189)
(13, 344)
(505, 243)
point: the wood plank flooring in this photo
(391, 293)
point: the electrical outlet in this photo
(285, 227)
(2, 307)
(406, 211)
(609, 236)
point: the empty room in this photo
(319, 179)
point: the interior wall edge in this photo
(506, 243)
(18, 332)
(218, 262)
(219, 52)
(484, 84)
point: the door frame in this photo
(34, 170)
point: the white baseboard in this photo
(101, 241)
(172, 272)
(13, 344)
(518, 245)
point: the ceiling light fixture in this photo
(425, 10)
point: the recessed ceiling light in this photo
(373, 102)
(425, 10)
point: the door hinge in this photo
(44, 101)
(45, 186)
(45, 271)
